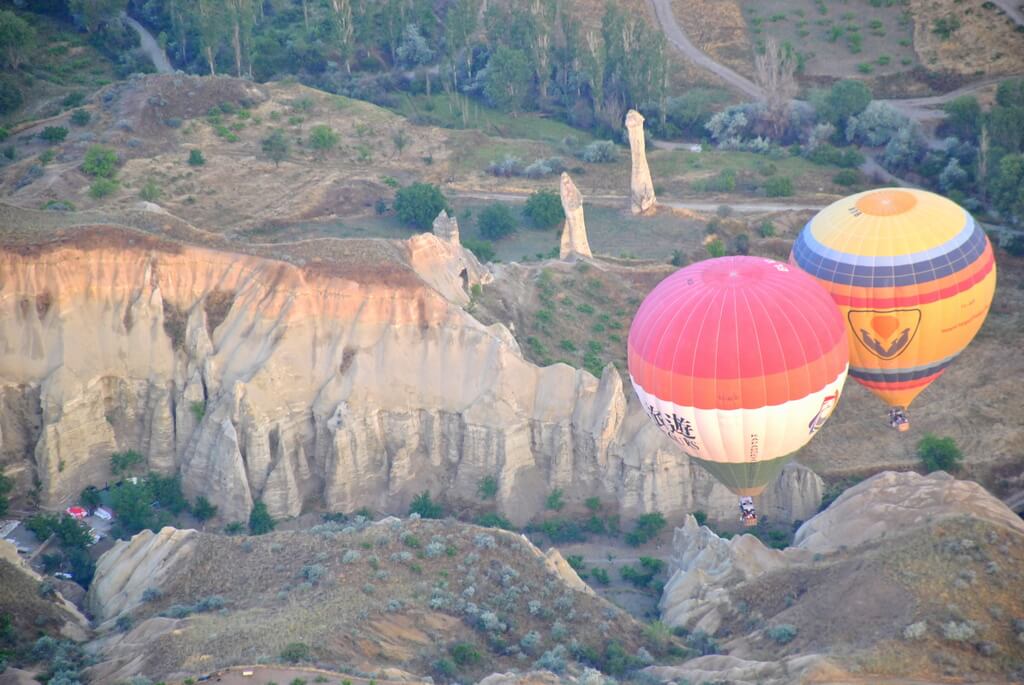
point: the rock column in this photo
(642, 198)
(574, 234)
(447, 228)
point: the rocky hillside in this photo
(357, 379)
(395, 599)
(903, 576)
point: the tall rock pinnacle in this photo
(642, 198)
(574, 235)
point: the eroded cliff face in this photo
(329, 386)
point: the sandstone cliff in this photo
(352, 379)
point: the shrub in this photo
(494, 520)
(203, 510)
(599, 152)
(915, 631)
(741, 244)
(54, 134)
(295, 652)
(150, 191)
(496, 221)
(322, 138)
(234, 528)
(600, 575)
(423, 505)
(716, 248)
(195, 158)
(419, 204)
(957, 631)
(260, 520)
(46, 156)
(484, 541)
(766, 229)
(100, 162)
(487, 488)
(81, 117)
(846, 177)
(552, 660)
(554, 501)
(102, 187)
(646, 528)
(464, 654)
(779, 186)
(275, 146)
(783, 633)
(939, 454)
(563, 530)
(481, 249)
(544, 209)
(152, 594)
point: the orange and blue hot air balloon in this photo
(740, 360)
(912, 274)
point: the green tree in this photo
(94, 14)
(322, 138)
(72, 533)
(6, 485)
(10, 94)
(80, 117)
(275, 146)
(544, 209)
(260, 520)
(845, 99)
(102, 187)
(939, 454)
(90, 498)
(133, 505)
(17, 39)
(1006, 128)
(647, 527)
(419, 204)
(963, 118)
(1006, 187)
(508, 79)
(779, 186)
(495, 221)
(167, 492)
(1010, 93)
(100, 162)
(195, 158)
(294, 652)
(423, 505)
(481, 249)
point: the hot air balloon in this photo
(913, 275)
(740, 360)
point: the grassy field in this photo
(843, 38)
(61, 65)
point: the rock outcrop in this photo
(357, 380)
(446, 228)
(574, 233)
(892, 503)
(127, 570)
(642, 199)
(720, 668)
(704, 568)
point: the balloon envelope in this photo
(740, 360)
(913, 276)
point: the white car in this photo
(103, 514)
(61, 574)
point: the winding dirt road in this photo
(918, 109)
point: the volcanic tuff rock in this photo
(356, 380)
(130, 567)
(574, 232)
(704, 568)
(640, 184)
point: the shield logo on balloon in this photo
(828, 405)
(884, 333)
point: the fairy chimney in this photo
(574, 234)
(642, 198)
(447, 228)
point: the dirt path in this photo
(678, 39)
(622, 200)
(918, 109)
(265, 675)
(150, 47)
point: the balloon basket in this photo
(903, 427)
(750, 522)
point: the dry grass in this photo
(855, 606)
(987, 42)
(717, 27)
(30, 615)
(385, 598)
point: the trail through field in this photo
(623, 200)
(150, 47)
(918, 109)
